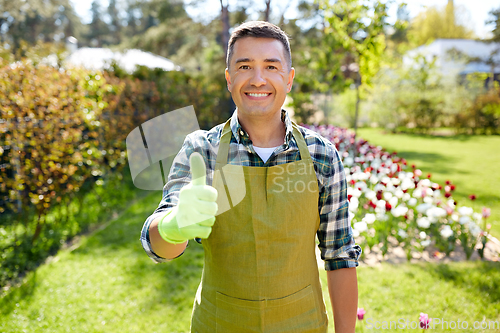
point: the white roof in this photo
(101, 58)
(440, 48)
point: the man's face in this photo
(258, 76)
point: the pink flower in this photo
(424, 320)
(486, 212)
(361, 313)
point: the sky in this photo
(471, 10)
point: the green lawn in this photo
(108, 284)
(469, 162)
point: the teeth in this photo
(257, 95)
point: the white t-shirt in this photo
(264, 153)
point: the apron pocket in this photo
(237, 315)
(298, 312)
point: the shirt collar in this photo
(240, 134)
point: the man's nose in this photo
(257, 79)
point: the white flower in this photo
(464, 220)
(402, 233)
(428, 200)
(354, 192)
(399, 194)
(348, 161)
(424, 182)
(353, 204)
(423, 222)
(360, 226)
(465, 211)
(407, 184)
(351, 216)
(393, 201)
(399, 211)
(455, 217)
(437, 194)
(446, 232)
(379, 187)
(474, 229)
(417, 193)
(426, 243)
(422, 208)
(451, 203)
(478, 217)
(370, 195)
(369, 218)
(436, 212)
(422, 235)
(387, 195)
(374, 179)
(355, 233)
(361, 185)
(381, 204)
(412, 201)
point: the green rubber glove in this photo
(194, 215)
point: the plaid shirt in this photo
(336, 243)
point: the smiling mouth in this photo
(258, 94)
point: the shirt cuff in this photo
(146, 243)
(348, 259)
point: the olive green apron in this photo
(260, 272)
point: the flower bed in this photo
(393, 204)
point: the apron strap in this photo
(223, 152)
(301, 143)
(225, 140)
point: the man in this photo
(260, 272)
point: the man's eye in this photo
(244, 67)
(272, 67)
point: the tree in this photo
(115, 25)
(353, 44)
(98, 29)
(495, 14)
(438, 23)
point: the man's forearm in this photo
(343, 289)
(160, 246)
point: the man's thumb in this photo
(198, 170)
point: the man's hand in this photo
(194, 215)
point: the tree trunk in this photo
(268, 10)
(224, 16)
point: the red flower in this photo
(447, 182)
(388, 206)
(349, 196)
(447, 195)
(361, 313)
(452, 187)
(472, 197)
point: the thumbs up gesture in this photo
(194, 215)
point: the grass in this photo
(469, 162)
(108, 284)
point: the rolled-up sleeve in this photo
(336, 242)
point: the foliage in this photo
(63, 138)
(483, 116)
(415, 97)
(495, 19)
(436, 23)
(36, 20)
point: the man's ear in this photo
(289, 84)
(228, 80)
